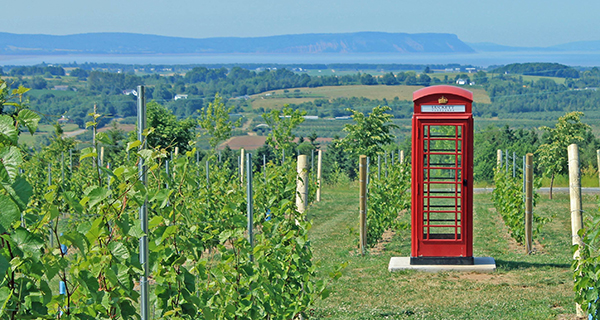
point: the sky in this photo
(508, 22)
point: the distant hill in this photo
(129, 43)
(539, 69)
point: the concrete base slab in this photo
(482, 265)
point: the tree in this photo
(215, 120)
(282, 123)
(79, 73)
(168, 132)
(389, 79)
(369, 133)
(367, 79)
(553, 154)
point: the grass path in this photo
(538, 286)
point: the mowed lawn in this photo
(537, 286)
(277, 98)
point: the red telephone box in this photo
(442, 177)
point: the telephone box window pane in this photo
(443, 131)
(441, 146)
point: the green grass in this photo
(538, 286)
(43, 130)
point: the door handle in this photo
(465, 182)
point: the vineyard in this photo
(71, 234)
(227, 240)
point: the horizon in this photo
(509, 23)
(292, 34)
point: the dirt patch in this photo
(513, 245)
(124, 127)
(386, 238)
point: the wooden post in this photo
(101, 156)
(302, 185)
(363, 203)
(499, 159)
(319, 168)
(176, 151)
(401, 156)
(528, 202)
(242, 165)
(575, 193)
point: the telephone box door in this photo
(442, 188)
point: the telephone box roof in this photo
(444, 89)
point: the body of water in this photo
(481, 59)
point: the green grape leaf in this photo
(8, 133)
(10, 160)
(10, 213)
(30, 119)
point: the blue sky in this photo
(507, 22)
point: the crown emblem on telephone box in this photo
(442, 100)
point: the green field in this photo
(537, 286)
(43, 130)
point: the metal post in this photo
(167, 172)
(62, 167)
(368, 171)
(207, 173)
(363, 203)
(506, 160)
(392, 154)
(312, 160)
(141, 120)
(108, 176)
(94, 132)
(71, 161)
(385, 161)
(51, 222)
(197, 157)
(529, 202)
(250, 207)
(514, 164)
(283, 156)
(265, 166)
(378, 167)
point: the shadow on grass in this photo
(516, 265)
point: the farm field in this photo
(278, 98)
(538, 286)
